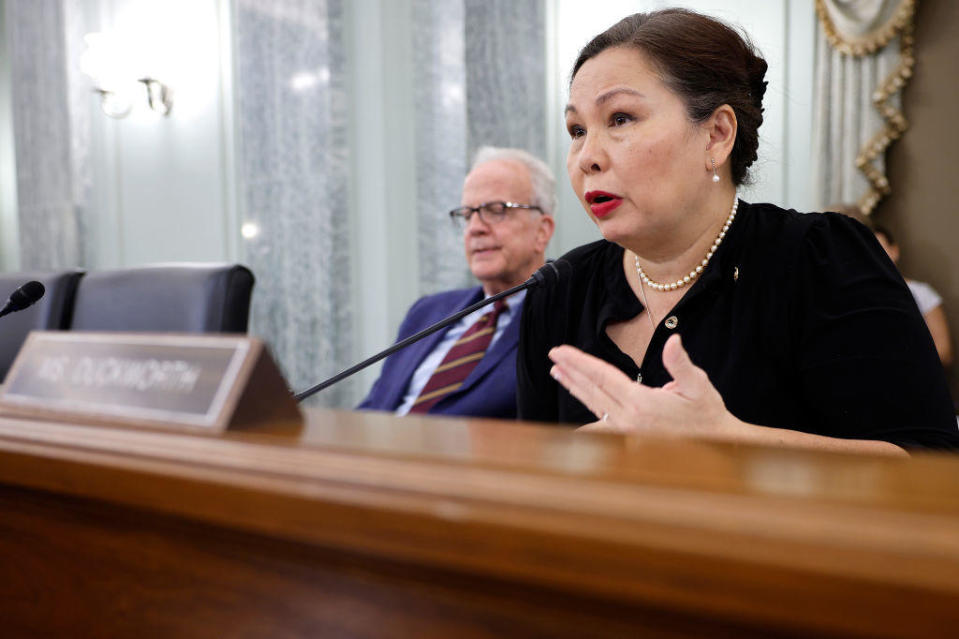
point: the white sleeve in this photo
(926, 297)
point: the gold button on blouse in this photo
(671, 322)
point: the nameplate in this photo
(207, 383)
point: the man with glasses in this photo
(506, 219)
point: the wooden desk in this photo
(366, 525)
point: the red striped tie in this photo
(460, 361)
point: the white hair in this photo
(541, 178)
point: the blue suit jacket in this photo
(490, 389)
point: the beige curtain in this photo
(864, 57)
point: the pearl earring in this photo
(715, 175)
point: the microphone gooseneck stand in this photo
(548, 272)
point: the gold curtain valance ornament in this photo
(863, 27)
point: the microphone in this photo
(23, 297)
(546, 274)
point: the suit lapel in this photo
(417, 352)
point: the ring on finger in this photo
(605, 417)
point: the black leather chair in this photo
(187, 298)
(50, 312)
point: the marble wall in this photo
(292, 177)
(442, 152)
(47, 220)
(479, 80)
(506, 74)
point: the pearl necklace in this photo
(693, 274)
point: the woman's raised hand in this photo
(688, 405)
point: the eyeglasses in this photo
(489, 212)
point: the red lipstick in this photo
(602, 203)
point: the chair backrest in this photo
(188, 298)
(50, 312)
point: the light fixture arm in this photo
(159, 95)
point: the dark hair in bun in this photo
(705, 62)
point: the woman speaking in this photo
(700, 314)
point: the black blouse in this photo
(800, 320)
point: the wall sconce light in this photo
(114, 104)
(112, 68)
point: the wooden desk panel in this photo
(147, 575)
(367, 525)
